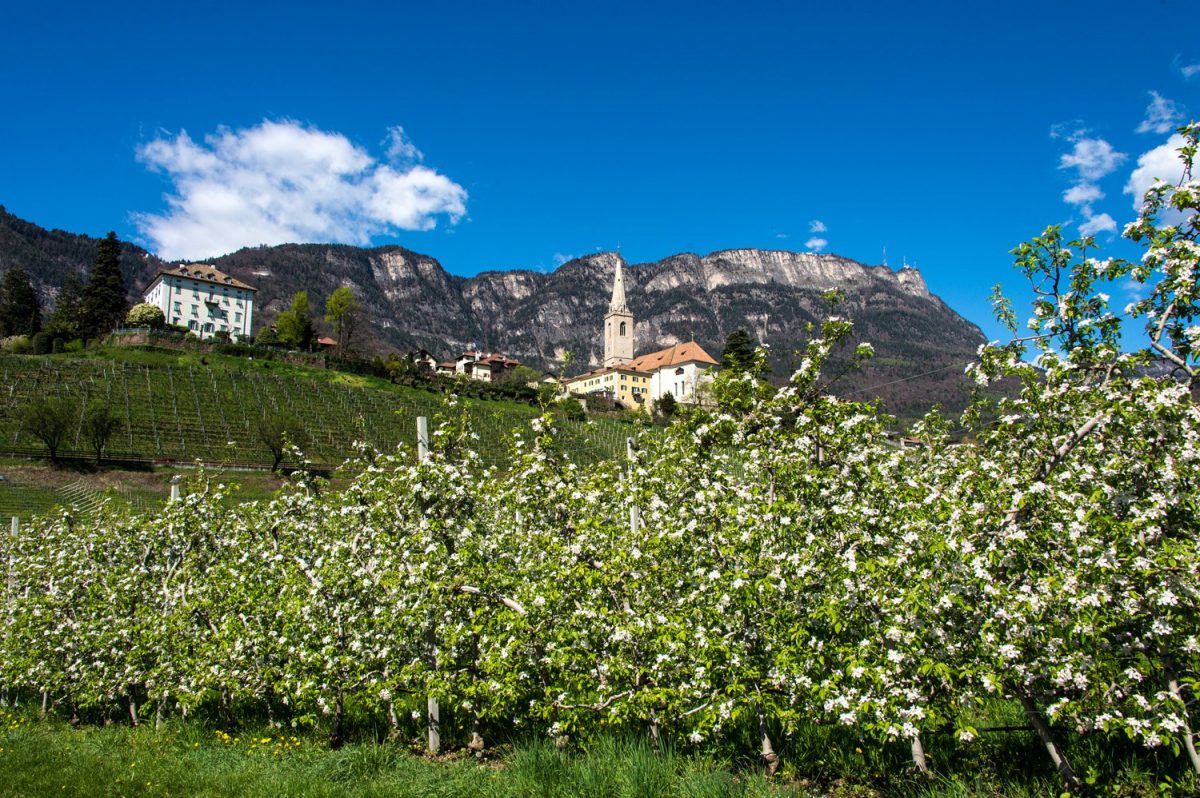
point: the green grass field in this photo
(30, 487)
(44, 758)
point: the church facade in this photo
(639, 382)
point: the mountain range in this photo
(410, 301)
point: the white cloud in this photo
(1092, 158)
(1071, 131)
(400, 149)
(817, 226)
(561, 258)
(1162, 115)
(816, 244)
(1099, 223)
(1082, 194)
(282, 182)
(1189, 70)
(1160, 163)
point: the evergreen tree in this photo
(20, 312)
(67, 319)
(739, 351)
(104, 305)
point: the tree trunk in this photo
(133, 715)
(769, 757)
(1177, 692)
(918, 756)
(393, 718)
(477, 744)
(1070, 780)
(336, 734)
(45, 703)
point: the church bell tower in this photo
(618, 325)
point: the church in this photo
(638, 383)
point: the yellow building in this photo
(624, 384)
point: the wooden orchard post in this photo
(432, 714)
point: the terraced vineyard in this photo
(184, 413)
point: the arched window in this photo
(622, 329)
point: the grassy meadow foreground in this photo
(50, 758)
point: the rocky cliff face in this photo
(922, 345)
(410, 301)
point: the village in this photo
(212, 304)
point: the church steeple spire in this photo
(617, 304)
(618, 324)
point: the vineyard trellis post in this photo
(175, 488)
(433, 718)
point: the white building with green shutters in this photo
(203, 299)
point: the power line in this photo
(905, 379)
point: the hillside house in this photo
(482, 366)
(637, 383)
(203, 299)
(423, 360)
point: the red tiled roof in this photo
(489, 359)
(687, 352)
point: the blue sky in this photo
(514, 135)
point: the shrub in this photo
(16, 345)
(666, 405)
(240, 350)
(42, 343)
(267, 337)
(145, 315)
(571, 409)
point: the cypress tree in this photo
(104, 305)
(20, 312)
